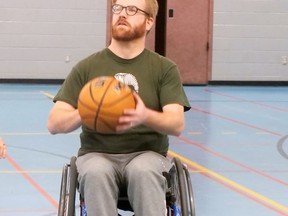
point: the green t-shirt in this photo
(155, 78)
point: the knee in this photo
(94, 180)
(95, 173)
(91, 167)
(139, 172)
(148, 164)
(147, 169)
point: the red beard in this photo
(123, 31)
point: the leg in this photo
(146, 186)
(98, 184)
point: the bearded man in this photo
(134, 157)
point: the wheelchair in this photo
(179, 196)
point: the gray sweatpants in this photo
(101, 177)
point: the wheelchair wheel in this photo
(190, 192)
(182, 188)
(68, 189)
(62, 199)
(178, 181)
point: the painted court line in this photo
(233, 161)
(30, 171)
(231, 183)
(236, 121)
(32, 182)
(47, 94)
(245, 100)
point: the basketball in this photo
(102, 101)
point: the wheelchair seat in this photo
(179, 196)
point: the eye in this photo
(132, 9)
(117, 8)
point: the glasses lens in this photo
(131, 10)
(117, 9)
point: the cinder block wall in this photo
(44, 39)
(250, 40)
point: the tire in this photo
(190, 192)
(72, 187)
(63, 189)
(180, 181)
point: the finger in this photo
(1, 152)
(125, 126)
(4, 151)
(137, 97)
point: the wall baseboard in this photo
(217, 82)
(249, 83)
(31, 81)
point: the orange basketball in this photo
(102, 101)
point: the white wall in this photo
(250, 37)
(38, 36)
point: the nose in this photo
(123, 12)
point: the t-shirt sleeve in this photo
(172, 90)
(70, 89)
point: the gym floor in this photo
(234, 145)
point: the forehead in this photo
(137, 3)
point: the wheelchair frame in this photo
(179, 197)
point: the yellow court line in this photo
(47, 94)
(230, 182)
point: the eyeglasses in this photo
(130, 10)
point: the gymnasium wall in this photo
(43, 39)
(250, 40)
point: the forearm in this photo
(63, 120)
(171, 123)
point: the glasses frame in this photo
(128, 6)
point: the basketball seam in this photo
(86, 105)
(100, 103)
(118, 100)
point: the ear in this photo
(149, 23)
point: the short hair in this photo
(151, 7)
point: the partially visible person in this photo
(2, 149)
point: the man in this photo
(133, 159)
(2, 149)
